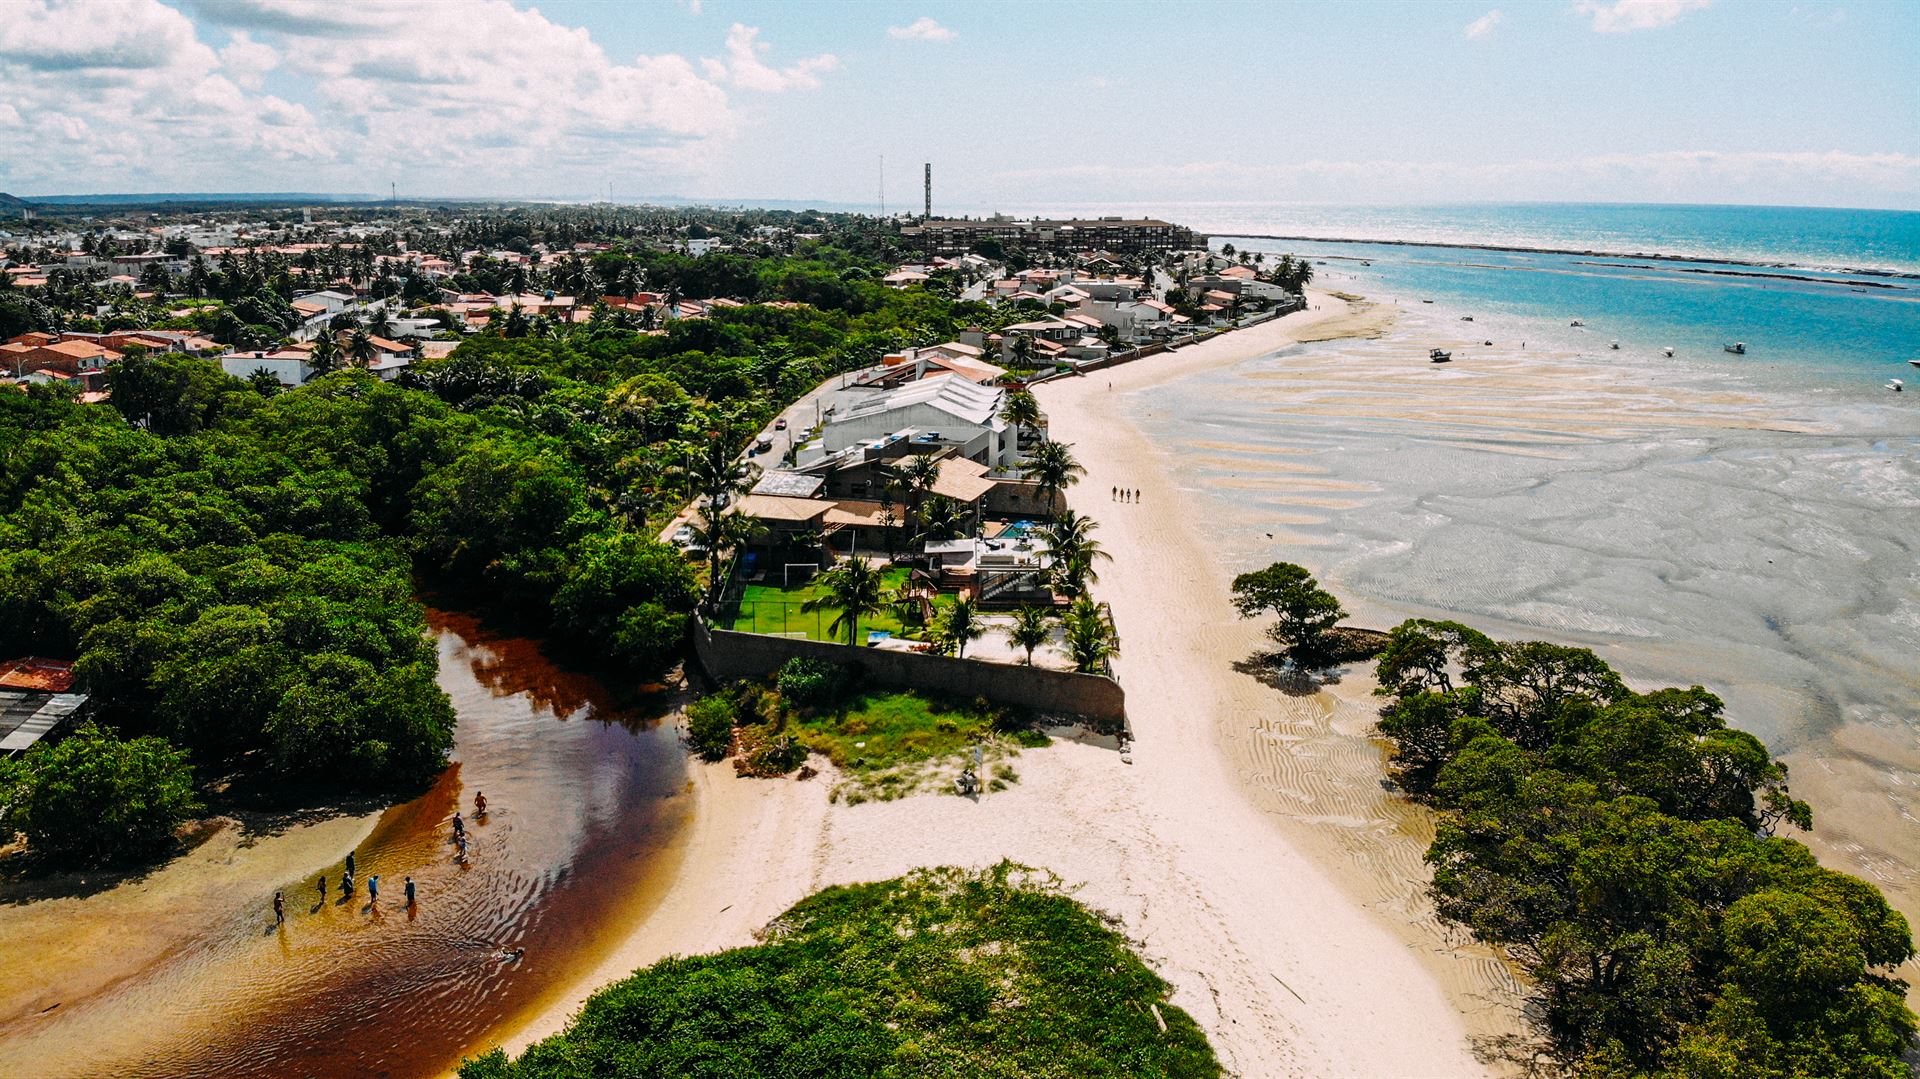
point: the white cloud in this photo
(744, 68)
(1483, 25)
(247, 61)
(1622, 16)
(694, 6)
(482, 97)
(103, 89)
(94, 36)
(921, 29)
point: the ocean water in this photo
(1811, 237)
(1746, 523)
(1806, 328)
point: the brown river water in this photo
(183, 973)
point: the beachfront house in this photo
(950, 412)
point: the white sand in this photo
(1288, 972)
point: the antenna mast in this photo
(928, 215)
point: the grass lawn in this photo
(878, 729)
(767, 608)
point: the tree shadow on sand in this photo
(27, 878)
(1275, 671)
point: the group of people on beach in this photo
(347, 884)
(1126, 494)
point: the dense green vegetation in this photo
(1620, 847)
(226, 589)
(940, 973)
(236, 567)
(130, 793)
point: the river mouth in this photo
(584, 812)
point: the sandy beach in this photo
(1299, 956)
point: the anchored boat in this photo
(1738, 348)
(1439, 356)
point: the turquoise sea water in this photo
(1841, 330)
(1812, 237)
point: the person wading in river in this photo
(373, 889)
(409, 891)
(279, 909)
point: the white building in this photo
(942, 411)
(291, 368)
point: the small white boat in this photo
(1439, 356)
(1913, 363)
(1738, 348)
(1466, 318)
(1576, 322)
(1896, 385)
(1669, 351)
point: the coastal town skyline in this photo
(1629, 101)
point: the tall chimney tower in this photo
(928, 216)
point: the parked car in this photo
(684, 536)
(780, 424)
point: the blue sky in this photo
(1016, 104)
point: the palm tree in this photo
(1032, 627)
(723, 534)
(1053, 466)
(360, 348)
(946, 518)
(717, 476)
(1022, 413)
(854, 588)
(918, 473)
(380, 324)
(326, 353)
(1091, 640)
(1074, 551)
(961, 623)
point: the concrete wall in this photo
(726, 655)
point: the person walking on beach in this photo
(479, 803)
(459, 825)
(323, 887)
(346, 885)
(349, 863)
(279, 909)
(409, 891)
(1115, 496)
(373, 889)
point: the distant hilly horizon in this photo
(162, 198)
